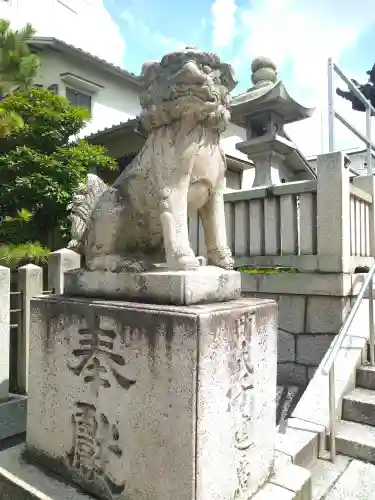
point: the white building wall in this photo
(75, 22)
(86, 24)
(116, 102)
(229, 139)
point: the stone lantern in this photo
(263, 111)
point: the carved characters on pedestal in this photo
(94, 440)
(96, 358)
(95, 437)
(241, 395)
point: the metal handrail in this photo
(330, 358)
(332, 114)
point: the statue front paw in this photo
(221, 257)
(185, 262)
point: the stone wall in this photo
(307, 325)
(307, 321)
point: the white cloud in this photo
(86, 24)
(223, 14)
(304, 35)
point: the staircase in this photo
(356, 431)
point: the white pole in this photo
(331, 111)
(368, 136)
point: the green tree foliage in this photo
(18, 68)
(40, 168)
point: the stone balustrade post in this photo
(59, 262)
(4, 332)
(333, 213)
(30, 284)
(367, 184)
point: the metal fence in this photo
(332, 113)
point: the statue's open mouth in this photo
(204, 93)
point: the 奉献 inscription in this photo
(96, 359)
(94, 440)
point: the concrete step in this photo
(289, 483)
(356, 483)
(359, 406)
(356, 440)
(366, 377)
(324, 475)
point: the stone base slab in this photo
(177, 401)
(22, 480)
(303, 283)
(13, 416)
(206, 284)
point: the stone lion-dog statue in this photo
(142, 219)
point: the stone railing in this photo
(269, 225)
(360, 220)
(15, 298)
(324, 225)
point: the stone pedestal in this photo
(160, 286)
(153, 401)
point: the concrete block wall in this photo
(307, 326)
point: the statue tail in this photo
(81, 207)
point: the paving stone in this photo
(324, 474)
(357, 483)
(20, 480)
(296, 479)
(273, 492)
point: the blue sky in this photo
(151, 28)
(152, 31)
(298, 35)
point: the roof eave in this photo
(40, 42)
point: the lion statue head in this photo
(187, 84)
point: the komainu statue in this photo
(143, 218)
